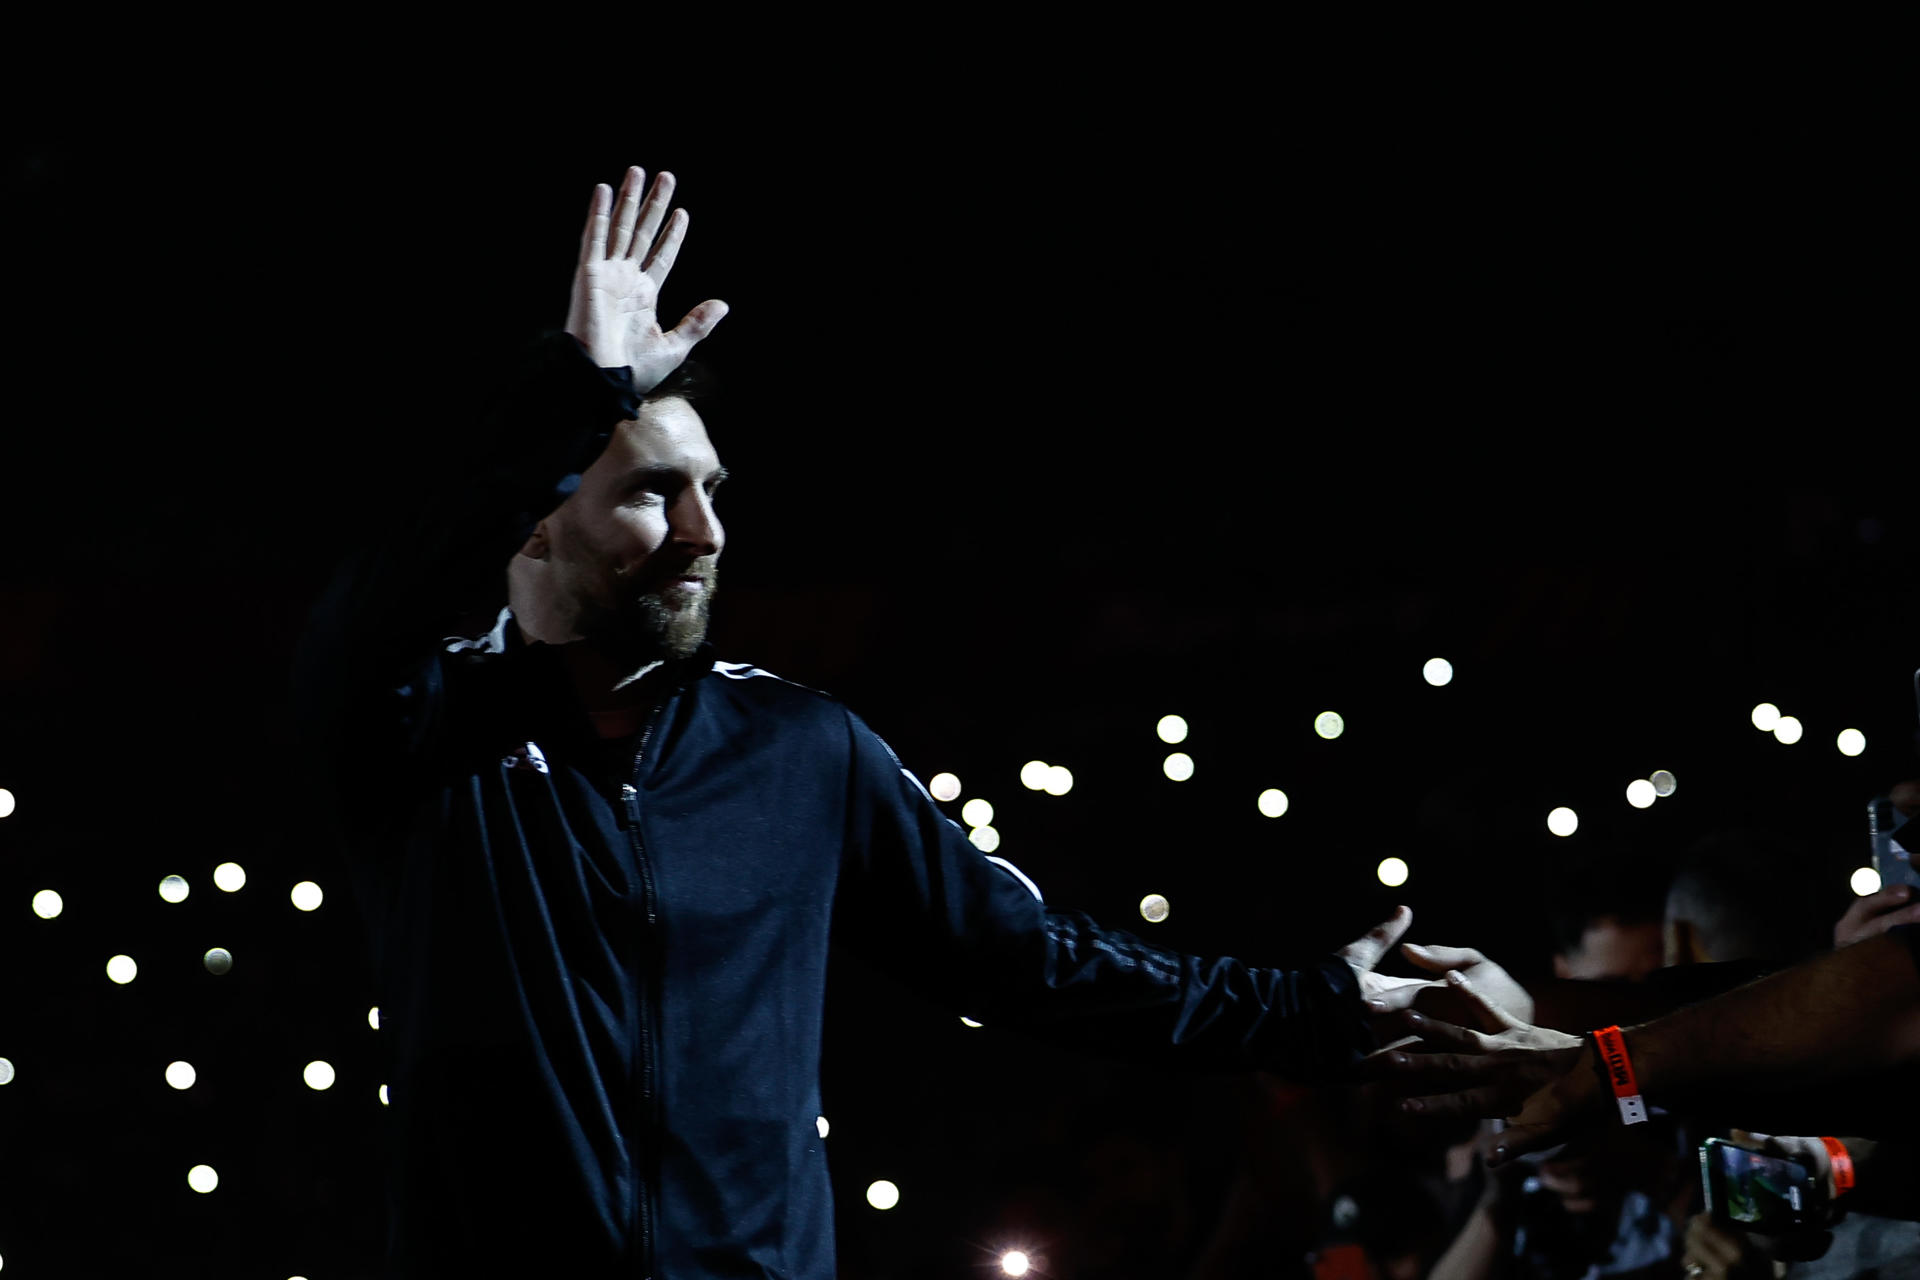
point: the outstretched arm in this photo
(1854, 1011)
(982, 940)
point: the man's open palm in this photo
(626, 252)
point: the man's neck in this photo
(614, 694)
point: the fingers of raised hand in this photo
(660, 261)
(593, 236)
(617, 242)
(652, 214)
(1365, 952)
(698, 323)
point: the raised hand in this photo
(625, 255)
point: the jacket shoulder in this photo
(745, 683)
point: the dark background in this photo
(1055, 401)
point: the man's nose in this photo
(696, 526)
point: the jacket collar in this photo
(505, 638)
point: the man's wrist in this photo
(1583, 1088)
(1615, 1068)
(599, 352)
(1650, 1067)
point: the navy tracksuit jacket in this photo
(602, 965)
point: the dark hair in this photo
(691, 381)
(1750, 895)
(1621, 883)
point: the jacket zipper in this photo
(649, 1171)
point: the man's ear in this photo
(538, 544)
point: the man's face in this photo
(1611, 948)
(632, 557)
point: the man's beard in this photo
(648, 629)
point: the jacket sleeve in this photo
(366, 677)
(918, 899)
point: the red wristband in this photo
(1618, 1070)
(1842, 1165)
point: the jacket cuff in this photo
(561, 388)
(615, 382)
(1338, 1030)
(585, 392)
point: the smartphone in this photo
(1893, 840)
(1753, 1190)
